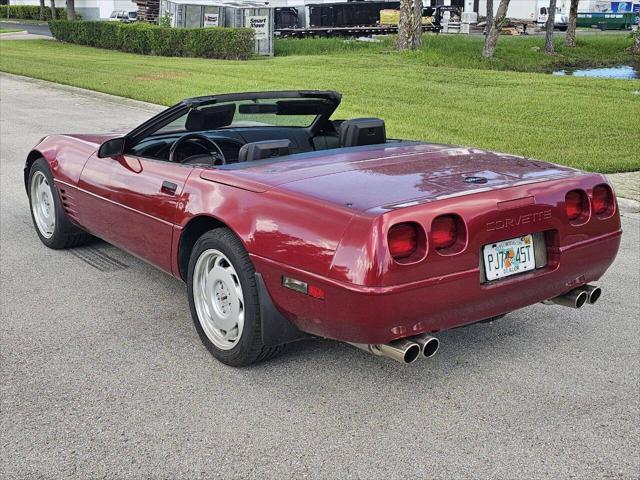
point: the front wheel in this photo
(223, 299)
(51, 223)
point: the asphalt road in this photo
(103, 375)
(36, 29)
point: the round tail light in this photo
(444, 231)
(576, 205)
(403, 240)
(602, 199)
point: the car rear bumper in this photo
(381, 314)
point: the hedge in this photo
(148, 39)
(29, 12)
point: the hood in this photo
(393, 175)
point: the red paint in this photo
(326, 221)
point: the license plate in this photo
(508, 257)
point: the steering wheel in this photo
(216, 153)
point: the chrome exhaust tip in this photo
(403, 351)
(593, 293)
(574, 299)
(428, 345)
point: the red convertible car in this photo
(286, 223)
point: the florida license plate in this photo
(508, 257)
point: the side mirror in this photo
(112, 148)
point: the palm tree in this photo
(54, 13)
(42, 14)
(551, 21)
(489, 15)
(492, 35)
(410, 25)
(71, 9)
(570, 39)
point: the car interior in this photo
(211, 133)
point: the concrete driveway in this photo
(103, 376)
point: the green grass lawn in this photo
(9, 30)
(586, 123)
(520, 54)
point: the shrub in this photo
(144, 38)
(29, 12)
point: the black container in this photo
(351, 14)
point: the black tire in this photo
(65, 234)
(250, 348)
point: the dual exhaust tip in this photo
(577, 297)
(406, 350)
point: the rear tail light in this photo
(602, 199)
(403, 240)
(576, 205)
(444, 231)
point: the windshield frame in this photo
(151, 126)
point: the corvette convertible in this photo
(287, 223)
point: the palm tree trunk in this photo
(489, 16)
(551, 20)
(417, 24)
(492, 36)
(54, 13)
(635, 48)
(410, 25)
(71, 10)
(570, 40)
(42, 10)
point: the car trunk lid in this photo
(392, 176)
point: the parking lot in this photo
(103, 376)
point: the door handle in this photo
(169, 188)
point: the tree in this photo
(489, 16)
(42, 7)
(71, 9)
(635, 48)
(551, 21)
(493, 33)
(54, 13)
(410, 25)
(570, 39)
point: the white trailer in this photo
(528, 10)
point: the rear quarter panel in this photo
(276, 226)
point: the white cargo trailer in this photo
(528, 10)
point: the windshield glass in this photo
(272, 112)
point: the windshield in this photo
(272, 112)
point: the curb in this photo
(627, 205)
(19, 32)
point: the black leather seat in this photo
(362, 131)
(265, 149)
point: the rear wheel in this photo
(51, 223)
(224, 299)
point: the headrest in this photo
(362, 131)
(261, 150)
(210, 118)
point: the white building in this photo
(89, 9)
